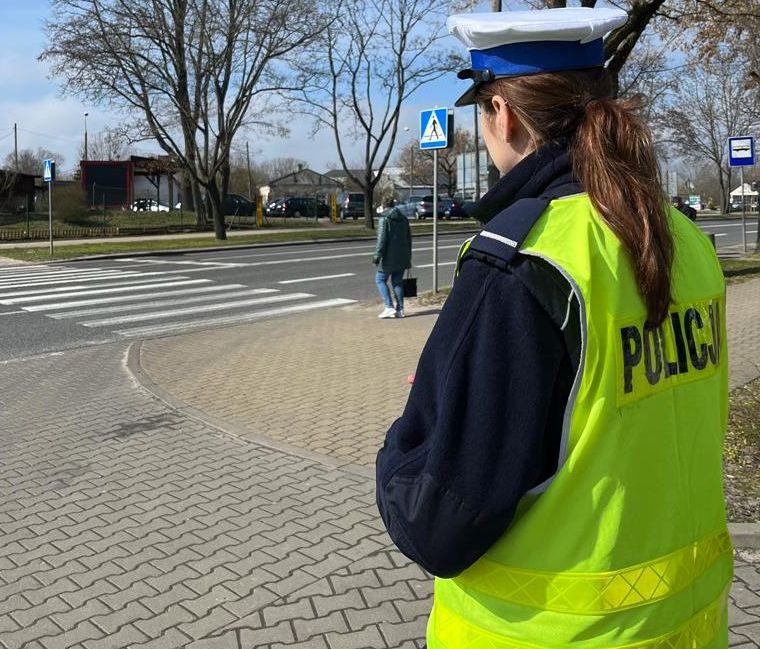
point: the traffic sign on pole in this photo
(741, 151)
(48, 170)
(434, 128)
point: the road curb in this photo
(141, 377)
(745, 535)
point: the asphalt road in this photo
(48, 308)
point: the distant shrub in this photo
(69, 203)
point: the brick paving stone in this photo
(170, 639)
(226, 640)
(307, 629)
(368, 637)
(318, 642)
(281, 632)
(209, 623)
(126, 636)
(73, 637)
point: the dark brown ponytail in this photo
(613, 158)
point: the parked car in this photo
(453, 208)
(237, 205)
(234, 205)
(423, 207)
(351, 205)
(409, 206)
(272, 208)
(301, 206)
(148, 205)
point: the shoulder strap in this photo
(501, 239)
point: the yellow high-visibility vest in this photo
(626, 546)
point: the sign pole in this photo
(436, 131)
(435, 220)
(744, 213)
(50, 214)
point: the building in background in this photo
(119, 183)
(466, 185)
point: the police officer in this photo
(558, 463)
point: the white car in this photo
(148, 205)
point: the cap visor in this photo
(468, 98)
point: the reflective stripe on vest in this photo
(602, 592)
(698, 632)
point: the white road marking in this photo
(158, 315)
(296, 260)
(315, 279)
(12, 312)
(440, 263)
(160, 303)
(120, 289)
(77, 287)
(133, 298)
(53, 274)
(79, 279)
(240, 318)
(184, 263)
(369, 247)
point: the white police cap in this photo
(516, 43)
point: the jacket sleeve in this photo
(482, 424)
(409, 241)
(382, 240)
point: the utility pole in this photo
(15, 146)
(493, 172)
(248, 164)
(477, 155)
(85, 136)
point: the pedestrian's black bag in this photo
(410, 284)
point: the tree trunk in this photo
(369, 208)
(197, 203)
(214, 201)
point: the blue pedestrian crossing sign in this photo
(434, 129)
(48, 170)
(741, 151)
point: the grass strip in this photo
(742, 454)
(115, 246)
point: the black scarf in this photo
(548, 165)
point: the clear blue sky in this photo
(46, 118)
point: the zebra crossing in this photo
(134, 303)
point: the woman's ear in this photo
(505, 118)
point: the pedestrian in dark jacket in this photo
(686, 210)
(393, 255)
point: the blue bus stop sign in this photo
(741, 151)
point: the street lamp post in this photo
(85, 135)
(411, 167)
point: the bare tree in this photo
(412, 160)
(109, 144)
(416, 165)
(711, 103)
(188, 69)
(372, 59)
(31, 162)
